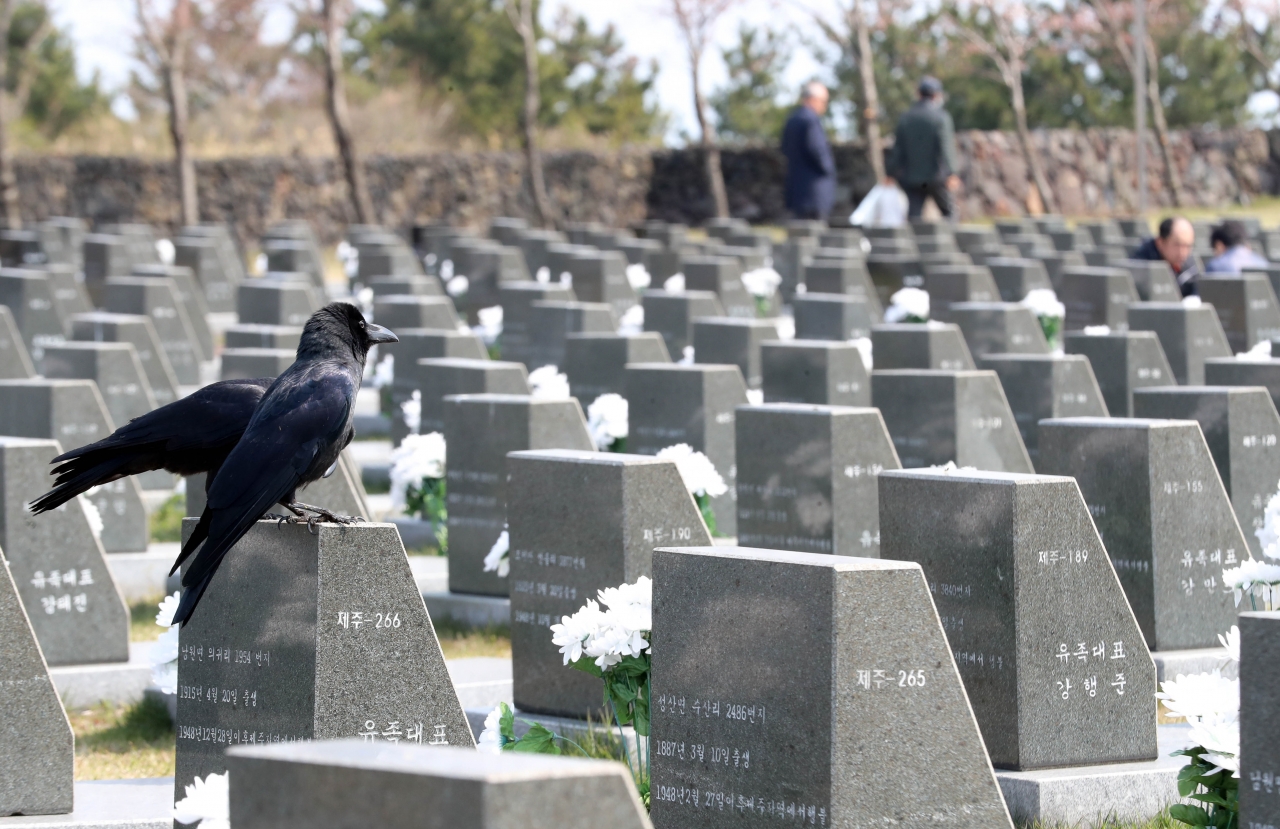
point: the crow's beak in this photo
(378, 334)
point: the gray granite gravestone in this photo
(937, 417)
(1259, 700)
(1015, 278)
(256, 335)
(1246, 306)
(425, 344)
(409, 311)
(957, 283)
(1228, 371)
(69, 294)
(1189, 336)
(832, 317)
(789, 259)
(936, 345)
(733, 341)
(480, 429)
(1242, 429)
(601, 276)
(1122, 362)
(336, 643)
(37, 770)
(190, 295)
(487, 266)
(350, 783)
(105, 256)
(823, 372)
(1159, 505)
(1052, 658)
(157, 299)
(552, 321)
(137, 330)
(1040, 386)
(722, 276)
(277, 301)
(807, 477)
(516, 299)
(58, 565)
(693, 404)
(672, 315)
(859, 675)
(249, 363)
(29, 297)
(294, 256)
(891, 271)
(416, 285)
(438, 377)
(213, 267)
(595, 363)
(15, 362)
(1154, 280)
(620, 508)
(999, 328)
(1057, 262)
(1097, 296)
(73, 413)
(844, 276)
(116, 369)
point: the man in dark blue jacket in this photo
(923, 161)
(811, 172)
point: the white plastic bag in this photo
(884, 206)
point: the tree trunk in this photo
(1028, 150)
(710, 146)
(870, 95)
(8, 179)
(339, 118)
(175, 83)
(532, 103)
(1172, 179)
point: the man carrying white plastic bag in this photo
(884, 206)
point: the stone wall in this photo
(1091, 171)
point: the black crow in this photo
(297, 432)
(188, 436)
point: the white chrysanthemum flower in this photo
(259, 264)
(632, 321)
(863, 345)
(574, 632)
(786, 327)
(208, 802)
(755, 396)
(384, 374)
(543, 275)
(164, 676)
(1269, 534)
(638, 276)
(566, 279)
(349, 256)
(1043, 302)
(168, 607)
(457, 285)
(1097, 330)
(1251, 574)
(1192, 302)
(761, 282)
(490, 741)
(674, 284)
(498, 559)
(697, 471)
(93, 515)
(166, 251)
(446, 270)
(639, 593)
(364, 298)
(417, 457)
(1231, 641)
(1201, 696)
(1220, 737)
(164, 653)
(607, 420)
(1260, 353)
(411, 410)
(686, 356)
(907, 302)
(547, 383)
(490, 327)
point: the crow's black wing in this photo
(186, 437)
(299, 421)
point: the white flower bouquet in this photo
(490, 329)
(548, 383)
(607, 421)
(499, 558)
(700, 477)
(908, 305)
(418, 482)
(164, 653)
(1044, 303)
(207, 803)
(762, 284)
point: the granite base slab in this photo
(1169, 664)
(467, 609)
(110, 804)
(143, 576)
(120, 683)
(1089, 796)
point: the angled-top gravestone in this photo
(595, 363)
(425, 344)
(807, 477)
(824, 372)
(552, 321)
(277, 300)
(15, 362)
(213, 266)
(845, 276)
(859, 676)
(936, 417)
(516, 299)
(73, 413)
(694, 404)
(1057, 262)
(1259, 770)
(438, 377)
(832, 317)
(1052, 658)
(1154, 280)
(417, 285)
(1229, 371)
(69, 294)
(257, 335)
(601, 276)
(733, 341)
(136, 329)
(1242, 429)
(958, 283)
(29, 297)
(294, 256)
(480, 429)
(1122, 362)
(410, 311)
(891, 271)
(1188, 335)
(722, 276)
(190, 294)
(105, 255)
(581, 522)
(937, 345)
(1246, 306)
(999, 328)
(1039, 386)
(1097, 296)
(157, 299)
(672, 315)
(335, 642)
(789, 259)
(76, 610)
(250, 363)
(1160, 508)
(36, 777)
(116, 369)
(1015, 278)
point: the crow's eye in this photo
(362, 325)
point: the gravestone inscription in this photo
(1259, 700)
(1189, 336)
(1122, 362)
(1040, 386)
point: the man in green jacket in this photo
(924, 152)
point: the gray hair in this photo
(814, 89)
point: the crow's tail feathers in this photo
(190, 598)
(79, 476)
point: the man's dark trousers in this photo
(936, 190)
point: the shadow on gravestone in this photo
(825, 372)
(62, 575)
(781, 680)
(941, 416)
(807, 477)
(305, 636)
(581, 522)
(1259, 701)
(1041, 386)
(1159, 505)
(37, 768)
(1052, 658)
(1242, 429)
(1122, 362)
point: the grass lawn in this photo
(460, 642)
(121, 742)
